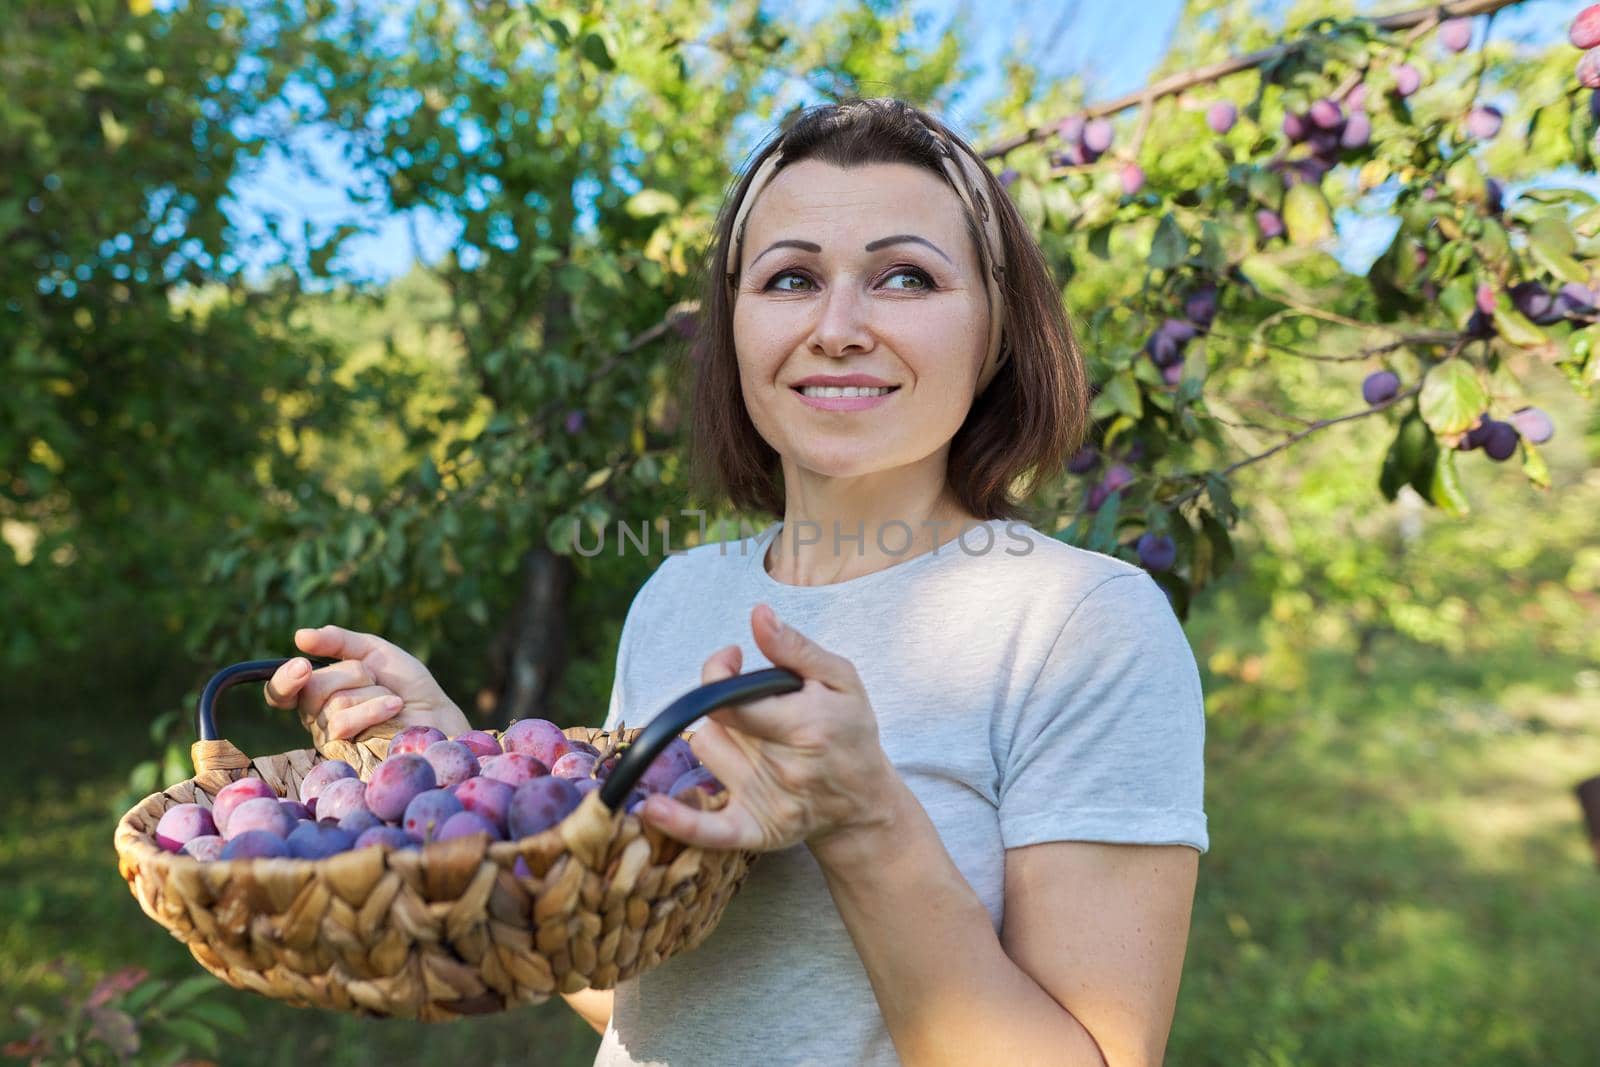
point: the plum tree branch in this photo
(1177, 83)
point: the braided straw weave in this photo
(434, 933)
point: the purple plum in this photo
(1325, 114)
(388, 836)
(414, 739)
(670, 763)
(1270, 223)
(540, 804)
(1132, 178)
(259, 813)
(513, 767)
(481, 743)
(204, 847)
(1585, 29)
(1533, 424)
(1588, 69)
(315, 841)
(296, 810)
(695, 780)
(357, 821)
(1500, 441)
(1455, 34)
(235, 793)
(1221, 116)
(183, 823)
(1084, 460)
(1483, 121)
(1407, 79)
(539, 738)
(452, 762)
(427, 811)
(254, 845)
(341, 797)
(1157, 552)
(574, 765)
(396, 782)
(1357, 132)
(1380, 386)
(465, 824)
(1098, 135)
(488, 797)
(320, 777)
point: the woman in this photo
(982, 814)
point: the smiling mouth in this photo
(834, 392)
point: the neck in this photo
(824, 544)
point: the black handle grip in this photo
(256, 670)
(740, 689)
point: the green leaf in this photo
(1221, 544)
(1306, 215)
(1030, 203)
(1406, 454)
(1551, 242)
(187, 990)
(1445, 490)
(193, 1033)
(1123, 394)
(1170, 246)
(1221, 497)
(596, 479)
(561, 535)
(1103, 534)
(648, 202)
(219, 1017)
(593, 48)
(428, 474)
(1514, 327)
(1465, 180)
(1452, 397)
(1533, 465)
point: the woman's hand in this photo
(374, 681)
(803, 766)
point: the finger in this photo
(721, 829)
(283, 688)
(787, 647)
(723, 663)
(349, 698)
(336, 642)
(346, 723)
(719, 752)
(326, 681)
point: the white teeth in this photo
(847, 390)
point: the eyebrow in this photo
(871, 246)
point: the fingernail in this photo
(297, 668)
(393, 704)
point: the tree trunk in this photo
(529, 653)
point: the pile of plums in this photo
(430, 788)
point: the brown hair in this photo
(1021, 429)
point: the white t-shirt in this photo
(1031, 691)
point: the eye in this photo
(911, 272)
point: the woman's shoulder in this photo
(1022, 556)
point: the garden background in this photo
(359, 313)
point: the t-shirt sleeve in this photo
(1109, 741)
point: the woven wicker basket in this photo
(449, 929)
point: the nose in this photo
(843, 326)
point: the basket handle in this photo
(740, 689)
(256, 670)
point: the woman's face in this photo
(859, 299)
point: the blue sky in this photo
(1112, 46)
